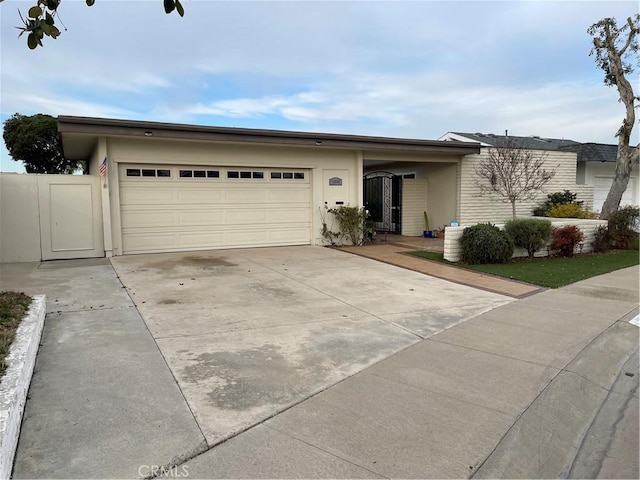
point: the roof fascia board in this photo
(129, 128)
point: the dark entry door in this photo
(382, 194)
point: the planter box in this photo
(16, 380)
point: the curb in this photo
(17, 378)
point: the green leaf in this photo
(32, 41)
(35, 11)
(46, 28)
(179, 8)
(169, 6)
(54, 32)
(53, 4)
(90, 3)
(49, 19)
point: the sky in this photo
(411, 69)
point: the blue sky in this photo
(414, 69)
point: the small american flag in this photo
(102, 169)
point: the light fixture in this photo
(318, 142)
(148, 134)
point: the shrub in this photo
(485, 243)
(623, 227)
(558, 198)
(352, 222)
(553, 200)
(566, 238)
(601, 240)
(570, 210)
(531, 234)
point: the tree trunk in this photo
(513, 208)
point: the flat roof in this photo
(79, 135)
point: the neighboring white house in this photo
(586, 169)
(596, 167)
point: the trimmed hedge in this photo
(529, 233)
(485, 243)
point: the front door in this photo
(382, 194)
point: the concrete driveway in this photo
(248, 333)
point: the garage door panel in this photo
(246, 195)
(163, 215)
(146, 195)
(147, 218)
(215, 217)
(198, 196)
(289, 195)
(293, 215)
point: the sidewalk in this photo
(509, 393)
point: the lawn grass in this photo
(550, 272)
(13, 307)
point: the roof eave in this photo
(131, 128)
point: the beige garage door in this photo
(181, 208)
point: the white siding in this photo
(601, 175)
(414, 204)
(473, 208)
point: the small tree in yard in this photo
(512, 174)
(611, 46)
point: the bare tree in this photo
(512, 174)
(611, 46)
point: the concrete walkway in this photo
(509, 393)
(396, 252)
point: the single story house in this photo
(164, 187)
(593, 166)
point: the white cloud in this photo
(412, 69)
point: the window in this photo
(287, 175)
(245, 174)
(186, 173)
(148, 172)
(199, 173)
(213, 174)
(409, 175)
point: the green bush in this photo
(570, 210)
(352, 222)
(553, 200)
(485, 243)
(623, 227)
(529, 233)
(566, 238)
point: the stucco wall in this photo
(19, 218)
(452, 249)
(44, 217)
(473, 208)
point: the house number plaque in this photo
(335, 182)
